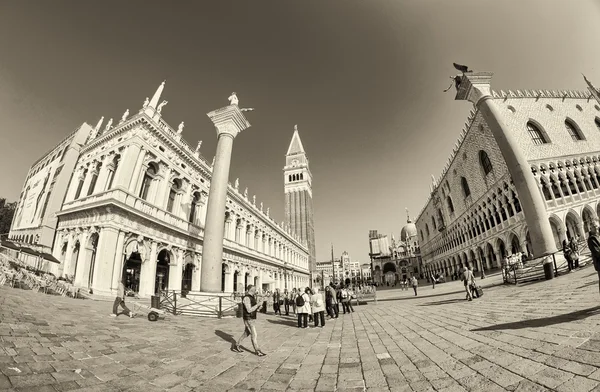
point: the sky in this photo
(363, 81)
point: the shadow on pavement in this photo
(445, 302)
(587, 284)
(225, 336)
(543, 322)
(288, 322)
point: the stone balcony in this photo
(120, 198)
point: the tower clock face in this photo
(295, 163)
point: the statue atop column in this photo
(180, 128)
(246, 192)
(254, 199)
(125, 115)
(237, 184)
(261, 206)
(146, 102)
(199, 145)
(233, 99)
(268, 210)
(458, 78)
(162, 104)
(108, 125)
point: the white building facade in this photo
(473, 213)
(135, 209)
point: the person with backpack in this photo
(318, 307)
(303, 306)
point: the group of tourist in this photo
(307, 304)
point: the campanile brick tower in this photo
(298, 196)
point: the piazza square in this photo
(309, 196)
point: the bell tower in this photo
(298, 196)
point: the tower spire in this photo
(296, 146)
(595, 92)
(156, 97)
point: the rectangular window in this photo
(79, 187)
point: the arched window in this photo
(485, 162)
(536, 134)
(573, 131)
(465, 186)
(433, 223)
(175, 188)
(112, 170)
(597, 121)
(427, 229)
(194, 206)
(147, 181)
(450, 205)
(290, 178)
(422, 238)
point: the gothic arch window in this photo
(112, 169)
(536, 134)
(573, 130)
(149, 176)
(485, 162)
(175, 189)
(450, 204)
(94, 180)
(465, 187)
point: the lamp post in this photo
(285, 274)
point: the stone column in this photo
(103, 174)
(475, 87)
(137, 173)
(81, 260)
(229, 122)
(197, 273)
(68, 255)
(148, 272)
(125, 172)
(118, 263)
(176, 271)
(74, 184)
(105, 259)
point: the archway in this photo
(572, 224)
(502, 249)
(555, 225)
(473, 260)
(515, 245)
(74, 260)
(223, 276)
(246, 280)
(132, 271)
(491, 255)
(588, 218)
(236, 275)
(186, 279)
(89, 264)
(161, 281)
(389, 271)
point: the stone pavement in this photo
(542, 336)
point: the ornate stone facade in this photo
(135, 210)
(473, 213)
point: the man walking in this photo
(120, 300)
(249, 308)
(594, 245)
(415, 284)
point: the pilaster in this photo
(106, 249)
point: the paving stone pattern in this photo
(536, 337)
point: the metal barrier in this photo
(197, 304)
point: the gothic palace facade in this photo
(473, 213)
(129, 202)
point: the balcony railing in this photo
(119, 197)
(232, 245)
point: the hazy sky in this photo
(362, 79)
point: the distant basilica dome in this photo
(409, 230)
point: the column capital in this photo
(474, 86)
(228, 120)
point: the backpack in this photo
(299, 301)
(319, 301)
(344, 293)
